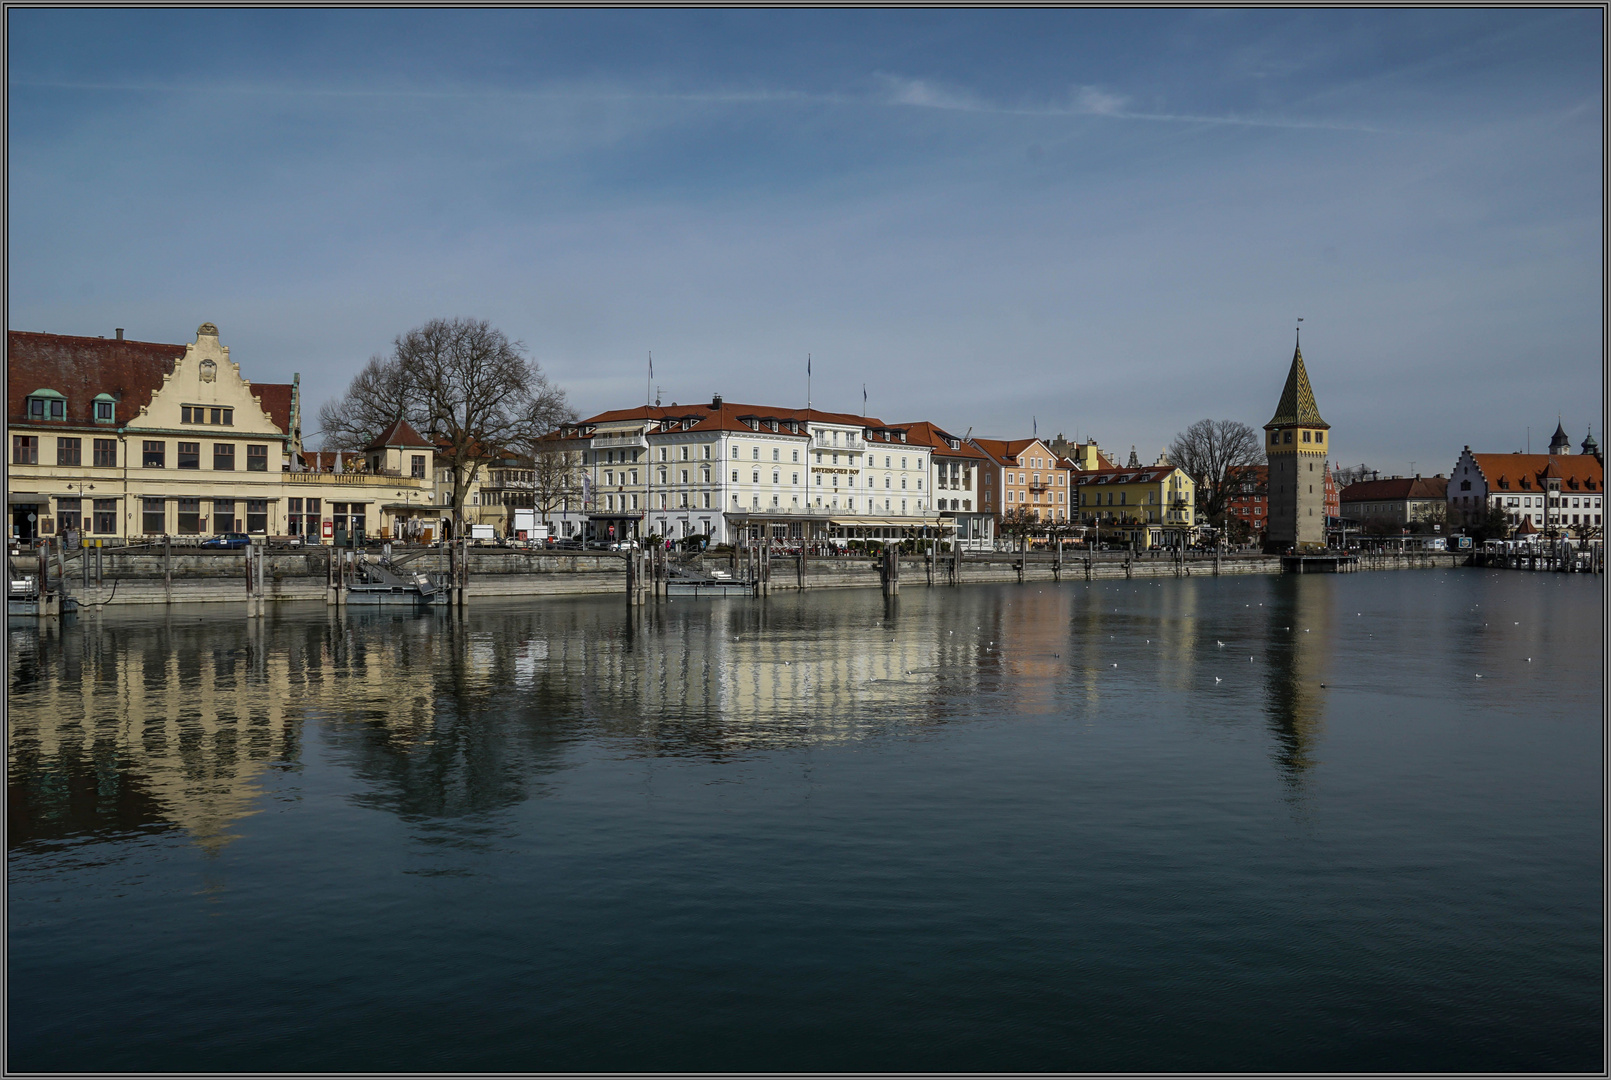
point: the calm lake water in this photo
(1232, 824)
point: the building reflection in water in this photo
(1298, 630)
(130, 723)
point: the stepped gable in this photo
(1297, 404)
(275, 398)
(81, 368)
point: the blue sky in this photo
(1103, 221)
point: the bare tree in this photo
(1219, 456)
(1353, 474)
(377, 398)
(556, 475)
(476, 394)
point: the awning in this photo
(30, 498)
(884, 523)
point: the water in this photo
(1096, 826)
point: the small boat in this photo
(377, 583)
(714, 583)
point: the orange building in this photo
(1024, 473)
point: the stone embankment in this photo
(147, 576)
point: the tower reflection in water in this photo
(1298, 634)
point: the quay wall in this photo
(190, 576)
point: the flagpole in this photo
(808, 382)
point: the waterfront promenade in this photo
(150, 574)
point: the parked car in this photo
(598, 545)
(227, 540)
(568, 543)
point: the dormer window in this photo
(105, 409)
(46, 405)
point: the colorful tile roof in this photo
(1297, 404)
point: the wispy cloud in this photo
(1087, 101)
(896, 91)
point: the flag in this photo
(864, 399)
(808, 365)
(1034, 427)
(651, 367)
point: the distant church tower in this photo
(1562, 442)
(1296, 447)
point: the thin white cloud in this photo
(897, 92)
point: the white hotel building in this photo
(726, 471)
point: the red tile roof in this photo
(1399, 487)
(79, 368)
(1006, 451)
(923, 433)
(1506, 472)
(729, 416)
(399, 434)
(276, 401)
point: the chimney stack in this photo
(120, 333)
(716, 401)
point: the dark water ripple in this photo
(1108, 826)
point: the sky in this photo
(1100, 223)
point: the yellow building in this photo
(120, 439)
(1147, 505)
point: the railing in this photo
(360, 479)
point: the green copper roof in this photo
(1297, 400)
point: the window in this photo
(205, 414)
(69, 514)
(417, 467)
(755, 453)
(256, 458)
(189, 517)
(794, 478)
(735, 476)
(106, 453)
(224, 516)
(47, 403)
(25, 450)
(1288, 437)
(152, 518)
(1305, 436)
(105, 409)
(154, 454)
(1275, 436)
(685, 453)
(189, 455)
(663, 453)
(735, 453)
(69, 452)
(105, 516)
(1320, 436)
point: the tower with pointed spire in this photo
(1591, 447)
(1296, 446)
(1561, 442)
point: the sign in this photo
(1465, 541)
(329, 529)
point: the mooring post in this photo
(167, 568)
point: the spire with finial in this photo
(1591, 447)
(1297, 404)
(1560, 442)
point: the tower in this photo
(1296, 449)
(1591, 447)
(1561, 442)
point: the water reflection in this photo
(127, 723)
(1298, 624)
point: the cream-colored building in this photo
(117, 439)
